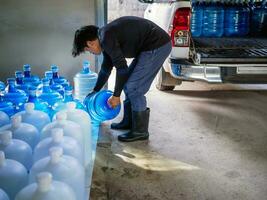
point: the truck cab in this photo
(225, 58)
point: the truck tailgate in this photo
(229, 50)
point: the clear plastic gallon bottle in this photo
(3, 195)
(46, 189)
(63, 168)
(4, 119)
(16, 149)
(84, 81)
(98, 108)
(197, 18)
(22, 131)
(69, 145)
(34, 117)
(13, 176)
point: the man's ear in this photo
(90, 43)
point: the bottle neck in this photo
(11, 87)
(19, 80)
(27, 74)
(55, 75)
(68, 96)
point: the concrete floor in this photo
(207, 142)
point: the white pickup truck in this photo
(214, 60)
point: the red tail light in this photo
(180, 27)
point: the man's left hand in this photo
(114, 101)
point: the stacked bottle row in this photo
(228, 18)
(49, 94)
(32, 148)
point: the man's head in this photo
(86, 39)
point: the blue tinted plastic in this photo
(29, 78)
(7, 107)
(3, 195)
(98, 108)
(16, 149)
(15, 96)
(19, 81)
(48, 95)
(13, 176)
(259, 19)
(4, 119)
(38, 103)
(54, 86)
(56, 78)
(2, 86)
(213, 20)
(84, 81)
(197, 18)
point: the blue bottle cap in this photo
(11, 81)
(19, 74)
(26, 67)
(54, 68)
(49, 74)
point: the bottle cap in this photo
(16, 120)
(71, 106)
(55, 154)
(57, 134)
(61, 116)
(44, 180)
(26, 67)
(49, 74)
(6, 137)
(54, 68)
(19, 74)
(29, 107)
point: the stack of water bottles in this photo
(45, 135)
(229, 18)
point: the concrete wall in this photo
(41, 33)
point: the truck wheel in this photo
(165, 82)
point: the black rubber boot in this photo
(139, 130)
(126, 122)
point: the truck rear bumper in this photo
(217, 73)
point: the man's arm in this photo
(104, 73)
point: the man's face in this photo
(93, 47)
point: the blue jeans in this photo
(143, 70)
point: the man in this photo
(127, 37)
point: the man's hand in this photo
(114, 101)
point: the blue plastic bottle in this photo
(16, 149)
(4, 119)
(2, 86)
(15, 96)
(48, 95)
(259, 19)
(56, 78)
(19, 82)
(213, 19)
(54, 86)
(197, 18)
(63, 168)
(7, 107)
(84, 81)
(38, 103)
(28, 77)
(13, 176)
(3, 195)
(98, 108)
(46, 189)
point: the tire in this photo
(165, 82)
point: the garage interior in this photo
(207, 141)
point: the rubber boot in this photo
(139, 129)
(126, 122)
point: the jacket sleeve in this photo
(104, 73)
(112, 47)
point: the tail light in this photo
(180, 28)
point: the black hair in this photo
(82, 35)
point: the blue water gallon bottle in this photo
(38, 103)
(46, 189)
(29, 78)
(7, 107)
(3, 195)
(48, 95)
(84, 81)
(56, 77)
(19, 82)
(2, 86)
(15, 96)
(259, 19)
(22, 131)
(13, 176)
(213, 19)
(197, 18)
(63, 168)
(16, 149)
(54, 86)
(4, 119)
(98, 108)
(69, 145)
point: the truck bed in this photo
(230, 50)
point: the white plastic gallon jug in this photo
(22, 131)
(69, 145)
(4, 119)
(46, 189)
(70, 128)
(63, 168)
(13, 176)
(83, 119)
(34, 117)
(3, 195)
(16, 149)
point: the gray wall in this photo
(40, 33)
